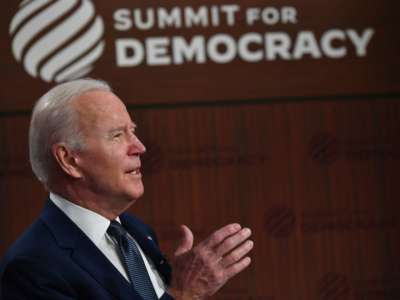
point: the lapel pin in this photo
(149, 238)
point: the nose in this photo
(136, 147)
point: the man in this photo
(84, 149)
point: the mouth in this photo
(135, 172)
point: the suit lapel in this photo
(86, 254)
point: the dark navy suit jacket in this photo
(55, 260)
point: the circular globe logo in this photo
(57, 40)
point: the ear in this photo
(66, 160)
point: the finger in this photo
(186, 242)
(237, 267)
(237, 254)
(218, 236)
(232, 242)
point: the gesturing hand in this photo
(200, 271)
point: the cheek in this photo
(104, 157)
(104, 161)
(96, 165)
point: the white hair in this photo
(54, 120)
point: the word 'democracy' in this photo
(221, 46)
(62, 40)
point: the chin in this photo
(136, 193)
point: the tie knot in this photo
(116, 230)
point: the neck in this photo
(108, 208)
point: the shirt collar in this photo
(91, 223)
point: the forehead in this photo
(101, 109)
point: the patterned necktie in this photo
(133, 261)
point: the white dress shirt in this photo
(95, 228)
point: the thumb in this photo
(186, 241)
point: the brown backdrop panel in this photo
(316, 182)
(22, 197)
(237, 80)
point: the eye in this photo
(117, 135)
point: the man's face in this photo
(110, 159)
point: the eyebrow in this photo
(121, 128)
